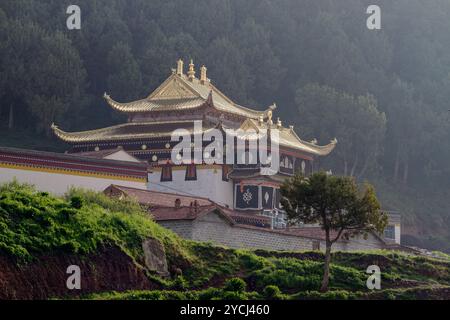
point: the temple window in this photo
(286, 164)
(166, 173)
(191, 172)
(389, 232)
(302, 166)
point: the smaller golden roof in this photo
(288, 137)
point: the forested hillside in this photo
(384, 94)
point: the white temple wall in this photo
(58, 184)
(209, 184)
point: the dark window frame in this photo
(191, 175)
(166, 173)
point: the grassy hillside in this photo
(37, 228)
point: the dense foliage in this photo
(33, 223)
(383, 94)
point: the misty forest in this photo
(384, 94)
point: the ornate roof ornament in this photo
(191, 72)
(203, 77)
(279, 123)
(180, 66)
(270, 115)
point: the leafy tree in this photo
(125, 79)
(336, 204)
(51, 100)
(356, 121)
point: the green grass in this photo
(34, 223)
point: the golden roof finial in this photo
(203, 77)
(191, 72)
(180, 66)
(270, 115)
(261, 120)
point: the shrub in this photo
(272, 293)
(235, 284)
(210, 294)
(253, 262)
(180, 283)
(76, 202)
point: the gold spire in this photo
(180, 66)
(203, 77)
(191, 72)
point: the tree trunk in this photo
(355, 163)
(364, 168)
(345, 167)
(397, 164)
(326, 269)
(11, 116)
(405, 172)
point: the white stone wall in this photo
(58, 183)
(208, 185)
(215, 229)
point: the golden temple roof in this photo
(288, 137)
(179, 92)
(164, 129)
(127, 131)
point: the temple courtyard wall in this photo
(213, 228)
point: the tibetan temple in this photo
(177, 103)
